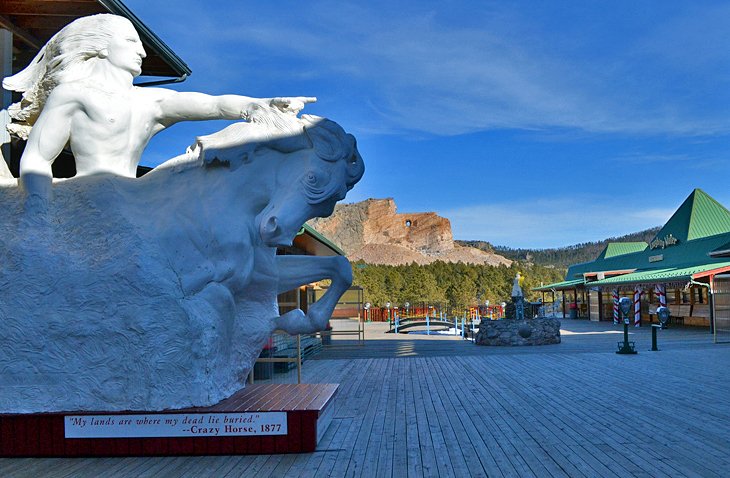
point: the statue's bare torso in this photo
(110, 130)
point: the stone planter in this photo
(539, 331)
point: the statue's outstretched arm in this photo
(188, 106)
(295, 271)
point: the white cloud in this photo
(429, 74)
(456, 67)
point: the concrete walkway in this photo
(420, 406)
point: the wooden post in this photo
(6, 98)
(299, 358)
(711, 305)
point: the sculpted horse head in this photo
(317, 164)
(159, 292)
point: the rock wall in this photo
(539, 331)
(373, 231)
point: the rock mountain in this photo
(374, 232)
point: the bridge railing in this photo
(465, 327)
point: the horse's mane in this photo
(234, 145)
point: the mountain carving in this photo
(373, 231)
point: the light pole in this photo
(390, 322)
(367, 310)
(408, 305)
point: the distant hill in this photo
(561, 257)
(374, 232)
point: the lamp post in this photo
(625, 304)
(367, 311)
(390, 322)
(408, 308)
(487, 311)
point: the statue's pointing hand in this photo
(292, 105)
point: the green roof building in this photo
(688, 261)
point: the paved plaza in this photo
(440, 406)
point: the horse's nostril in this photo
(271, 224)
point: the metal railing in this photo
(283, 354)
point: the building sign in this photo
(669, 240)
(657, 258)
(175, 425)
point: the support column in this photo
(637, 306)
(661, 292)
(6, 98)
(711, 303)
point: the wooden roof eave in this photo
(149, 38)
(612, 273)
(710, 273)
(24, 35)
(33, 23)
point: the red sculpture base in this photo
(307, 415)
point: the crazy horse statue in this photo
(160, 292)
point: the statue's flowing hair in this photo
(69, 55)
(284, 133)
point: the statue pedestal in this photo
(260, 419)
(511, 332)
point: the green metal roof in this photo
(670, 274)
(568, 284)
(698, 217)
(614, 249)
(679, 255)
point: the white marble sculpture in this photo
(160, 292)
(517, 286)
(78, 91)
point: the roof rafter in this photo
(22, 34)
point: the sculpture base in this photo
(260, 419)
(511, 332)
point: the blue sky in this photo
(527, 124)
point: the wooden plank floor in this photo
(421, 407)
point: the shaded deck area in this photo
(440, 406)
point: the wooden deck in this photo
(425, 407)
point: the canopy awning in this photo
(568, 284)
(666, 275)
(322, 242)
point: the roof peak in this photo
(697, 217)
